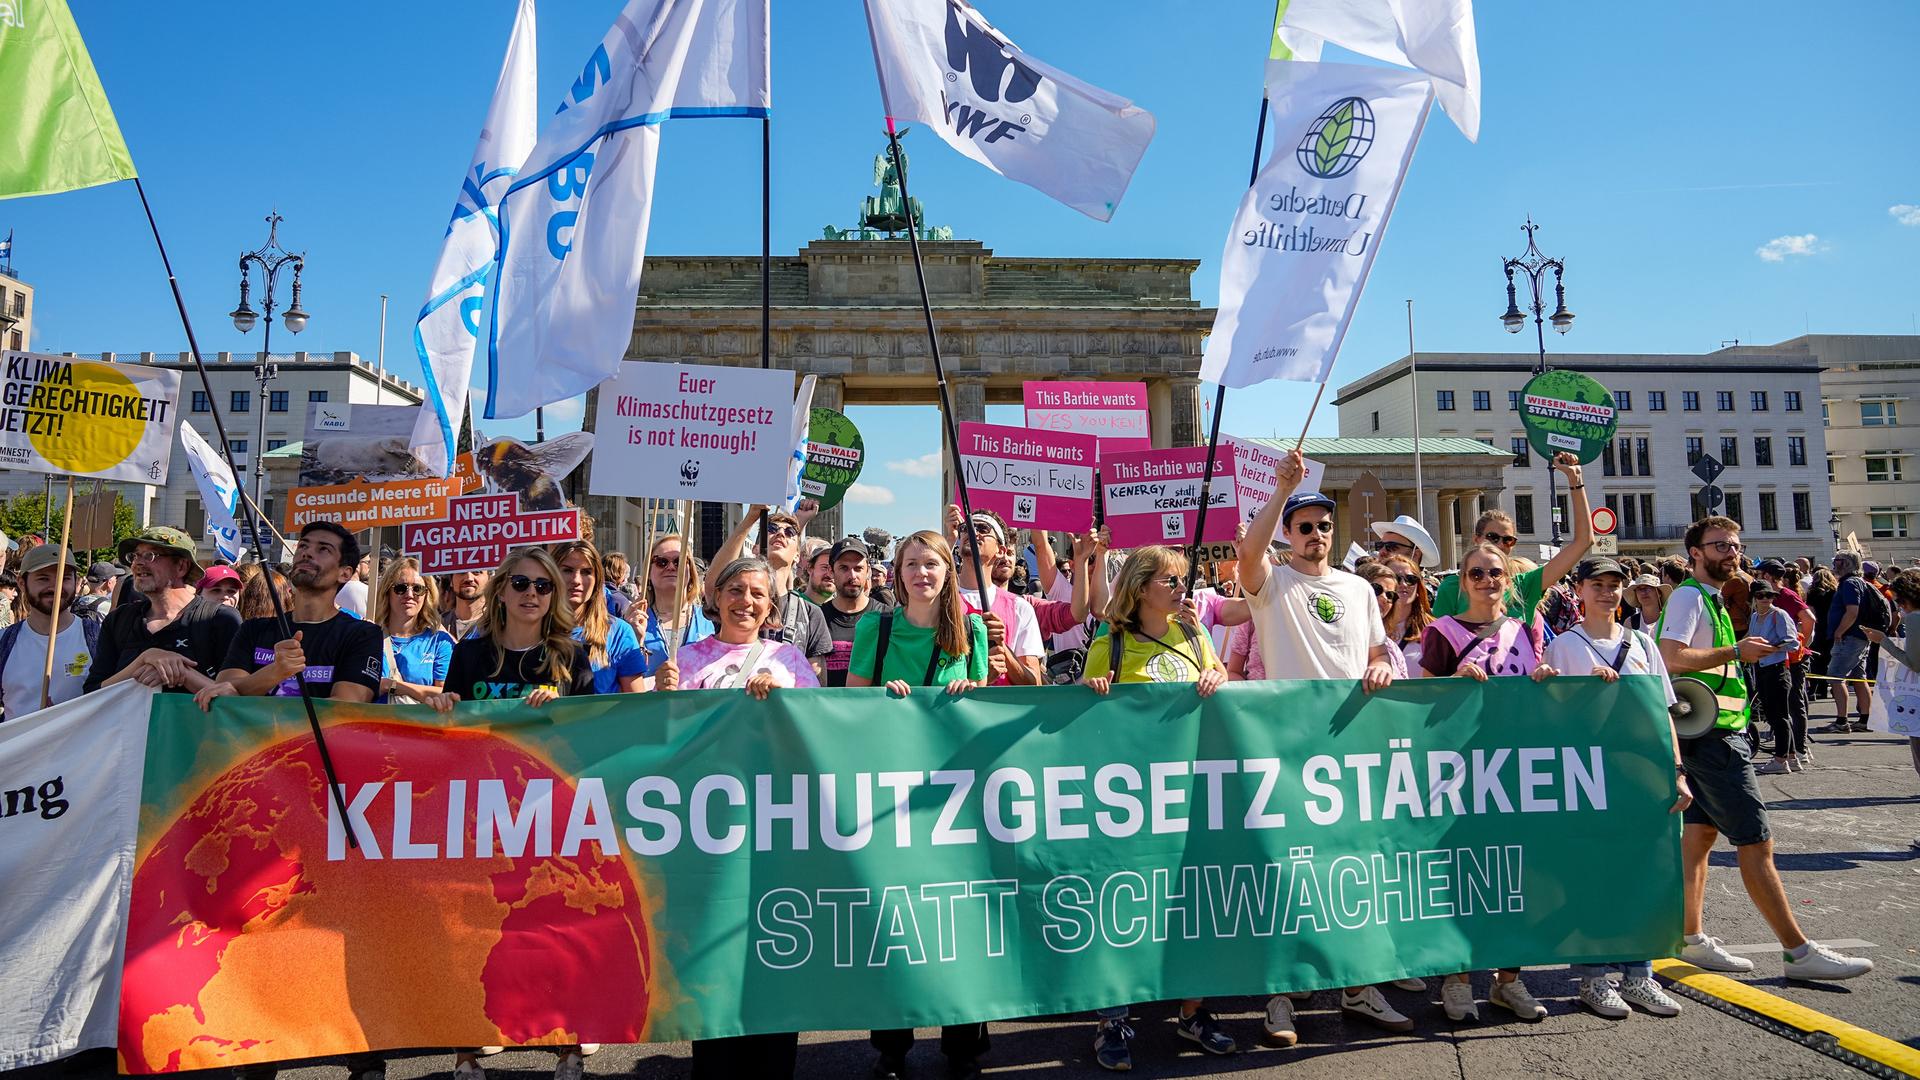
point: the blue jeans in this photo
(1642, 969)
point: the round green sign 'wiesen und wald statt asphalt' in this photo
(835, 453)
(1567, 411)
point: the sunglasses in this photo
(782, 530)
(1308, 528)
(407, 589)
(1392, 545)
(521, 583)
(1497, 538)
(1487, 573)
(1174, 582)
(1392, 596)
(1409, 579)
(666, 562)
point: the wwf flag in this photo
(941, 63)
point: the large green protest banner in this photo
(664, 866)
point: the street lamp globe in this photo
(295, 319)
(243, 317)
(1562, 319)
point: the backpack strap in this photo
(880, 647)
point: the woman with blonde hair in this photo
(1412, 611)
(670, 613)
(613, 649)
(523, 647)
(1151, 638)
(407, 609)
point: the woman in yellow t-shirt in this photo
(1158, 642)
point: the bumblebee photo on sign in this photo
(87, 418)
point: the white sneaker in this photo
(1822, 964)
(570, 1066)
(589, 1049)
(1279, 1024)
(489, 1051)
(1517, 999)
(1648, 994)
(1710, 954)
(1301, 997)
(1599, 995)
(1456, 997)
(1371, 1004)
(1415, 985)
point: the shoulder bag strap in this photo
(745, 671)
(934, 657)
(880, 647)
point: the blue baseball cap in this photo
(1300, 500)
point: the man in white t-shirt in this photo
(25, 642)
(1313, 622)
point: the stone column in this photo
(1184, 426)
(969, 394)
(1449, 534)
(830, 393)
(1160, 411)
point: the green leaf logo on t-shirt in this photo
(1326, 607)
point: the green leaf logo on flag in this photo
(58, 133)
(1338, 140)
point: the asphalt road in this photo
(1845, 836)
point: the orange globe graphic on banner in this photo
(435, 942)
(96, 441)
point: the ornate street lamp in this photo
(1533, 265)
(271, 258)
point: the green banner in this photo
(59, 132)
(1567, 411)
(664, 866)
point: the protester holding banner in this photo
(1412, 610)
(741, 653)
(417, 651)
(47, 572)
(1697, 638)
(1150, 639)
(1496, 527)
(799, 620)
(1012, 630)
(1387, 589)
(613, 650)
(671, 615)
(162, 639)
(523, 648)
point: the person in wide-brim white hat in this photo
(1405, 532)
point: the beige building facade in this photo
(1870, 410)
(16, 313)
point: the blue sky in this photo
(1661, 146)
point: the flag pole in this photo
(1220, 392)
(766, 284)
(59, 580)
(1310, 410)
(253, 523)
(939, 371)
(683, 581)
(1413, 377)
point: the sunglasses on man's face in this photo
(1487, 573)
(1392, 596)
(1308, 528)
(521, 583)
(1499, 538)
(1391, 546)
(782, 530)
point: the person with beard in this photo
(464, 602)
(800, 622)
(852, 598)
(1696, 638)
(819, 564)
(1013, 633)
(48, 584)
(161, 637)
(338, 656)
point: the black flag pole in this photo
(766, 283)
(253, 523)
(939, 371)
(1220, 392)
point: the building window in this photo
(1560, 511)
(1769, 513)
(15, 341)
(1723, 400)
(1883, 468)
(1444, 399)
(1657, 400)
(1729, 452)
(1696, 449)
(197, 518)
(1888, 522)
(1521, 459)
(1826, 414)
(1646, 509)
(1482, 401)
(1763, 450)
(1797, 450)
(275, 444)
(240, 401)
(1523, 514)
(277, 401)
(1734, 509)
(1606, 461)
(1513, 401)
(201, 402)
(1830, 460)
(236, 446)
(1879, 414)
(1757, 400)
(1643, 453)
(1696, 508)
(1690, 402)
(1623, 401)
(1792, 402)
(1626, 456)
(1376, 422)
(1802, 511)
(316, 396)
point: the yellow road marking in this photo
(1857, 1040)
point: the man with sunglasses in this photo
(339, 656)
(1697, 639)
(801, 623)
(1496, 527)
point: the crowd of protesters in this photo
(778, 610)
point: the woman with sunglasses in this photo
(1412, 612)
(613, 649)
(1496, 527)
(670, 615)
(407, 610)
(1388, 591)
(1485, 641)
(1152, 638)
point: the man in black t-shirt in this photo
(341, 656)
(166, 637)
(852, 584)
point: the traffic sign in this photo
(1708, 468)
(1604, 520)
(1711, 497)
(1605, 544)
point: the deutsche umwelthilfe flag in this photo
(57, 132)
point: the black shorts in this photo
(1725, 794)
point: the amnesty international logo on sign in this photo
(86, 418)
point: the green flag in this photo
(58, 132)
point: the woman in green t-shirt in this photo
(930, 639)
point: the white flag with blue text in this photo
(573, 225)
(219, 493)
(802, 425)
(448, 327)
(943, 64)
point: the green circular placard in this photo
(1567, 411)
(834, 456)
